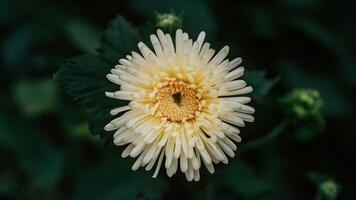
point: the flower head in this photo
(185, 105)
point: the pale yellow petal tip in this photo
(109, 127)
(109, 94)
(159, 32)
(109, 76)
(202, 33)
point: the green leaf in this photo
(118, 40)
(98, 120)
(83, 79)
(261, 85)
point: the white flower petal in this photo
(184, 105)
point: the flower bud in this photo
(304, 107)
(168, 22)
(329, 190)
(302, 103)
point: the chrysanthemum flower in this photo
(185, 105)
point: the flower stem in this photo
(268, 137)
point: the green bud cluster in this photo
(302, 103)
(329, 190)
(168, 22)
(304, 108)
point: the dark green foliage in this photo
(46, 144)
(127, 185)
(83, 77)
(118, 40)
(42, 164)
(36, 98)
(335, 100)
(197, 14)
(261, 85)
(83, 34)
(240, 177)
(98, 120)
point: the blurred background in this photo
(299, 56)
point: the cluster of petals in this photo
(185, 105)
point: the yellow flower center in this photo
(177, 101)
